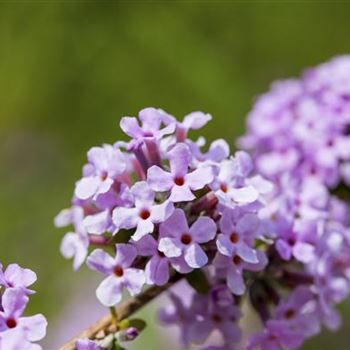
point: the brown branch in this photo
(106, 325)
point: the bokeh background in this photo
(70, 70)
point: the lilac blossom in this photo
(157, 269)
(232, 268)
(15, 276)
(74, 244)
(14, 326)
(237, 234)
(119, 273)
(105, 165)
(276, 335)
(179, 181)
(145, 214)
(178, 239)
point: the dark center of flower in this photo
(289, 314)
(11, 323)
(104, 176)
(223, 187)
(216, 318)
(236, 260)
(118, 271)
(145, 214)
(179, 181)
(234, 238)
(186, 238)
(148, 134)
(161, 254)
(291, 241)
(330, 143)
(272, 337)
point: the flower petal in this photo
(200, 177)
(170, 247)
(100, 261)
(195, 256)
(203, 229)
(159, 180)
(109, 292)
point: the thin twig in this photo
(126, 309)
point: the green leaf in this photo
(198, 281)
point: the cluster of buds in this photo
(18, 332)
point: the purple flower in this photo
(212, 316)
(275, 336)
(86, 344)
(237, 234)
(290, 243)
(17, 277)
(32, 328)
(181, 315)
(151, 122)
(232, 269)
(157, 269)
(145, 213)
(119, 271)
(105, 165)
(178, 239)
(179, 181)
(74, 244)
(299, 312)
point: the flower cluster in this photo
(299, 137)
(18, 332)
(164, 206)
(269, 230)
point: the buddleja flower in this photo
(105, 165)
(119, 271)
(178, 239)
(179, 181)
(18, 332)
(145, 214)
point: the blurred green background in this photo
(70, 70)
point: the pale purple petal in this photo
(34, 327)
(248, 224)
(284, 249)
(224, 245)
(144, 196)
(109, 292)
(161, 212)
(100, 261)
(203, 229)
(247, 253)
(134, 279)
(87, 187)
(144, 227)
(16, 276)
(126, 217)
(196, 120)
(126, 254)
(75, 245)
(131, 127)
(179, 158)
(181, 194)
(245, 194)
(146, 246)
(159, 180)
(200, 177)
(170, 247)
(195, 256)
(14, 301)
(157, 271)
(235, 282)
(97, 223)
(175, 225)
(304, 252)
